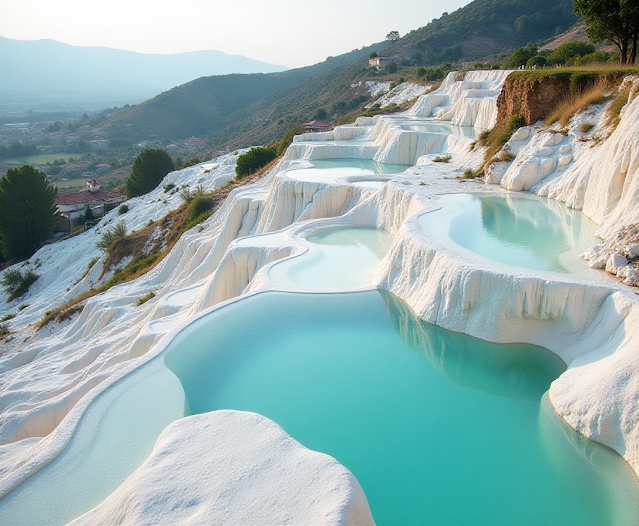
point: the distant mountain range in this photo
(43, 70)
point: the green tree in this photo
(520, 57)
(569, 50)
(149, 168)
(251, 161)
(27, 211)
(615, 21)
(393, 35)
(88, 214)
(536, 61)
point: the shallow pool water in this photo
(337, 259)
(328, 171)
(439, 428)
(520, 231)
(432, 126)
(113, 438)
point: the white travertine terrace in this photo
(49, 378)
(265, 463)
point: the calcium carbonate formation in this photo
(50, 377)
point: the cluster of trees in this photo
(27, 211)
(256, 158)
(435, 72)
(149, 168)
(615, 21)
(17, 149)
(568, 54)
(496, 24)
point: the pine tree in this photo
(149, 169)
(27, 211)
(88, 214)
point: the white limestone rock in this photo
(629, 276)
(233, 468)
(615, 263)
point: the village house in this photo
(72, 207)
(317, 126)
(378, 62)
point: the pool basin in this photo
(513, 230)
(328, 171)
(337, 259)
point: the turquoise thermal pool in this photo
(328, 171)
(438, 427)
(337, 259)
(527, 232)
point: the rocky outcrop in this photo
(533, 95)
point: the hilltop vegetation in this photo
(485, 27)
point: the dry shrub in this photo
(613, 112)
(573, 103)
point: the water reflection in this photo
(520, 231)
(512, 371)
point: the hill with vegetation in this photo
(242, 110)
(485, 27)
(207, 105)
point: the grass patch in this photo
(613, 112)
(112, 235)
(143, 299)
(67, 313)
(7, 317)
(506, 156)
(586, 127)
(495, 139)
(22, 307)
(133, 270)
(442, 158)
(469, 173)
(574, 102)
(4, 330)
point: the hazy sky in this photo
(287, 32)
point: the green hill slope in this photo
(250, 109)
(484, 27)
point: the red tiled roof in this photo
(85, 196)
(317, 124)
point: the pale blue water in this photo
(439, 428)
(338, 259)
(329, 170)
(441, 127)
(521, 231)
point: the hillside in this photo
(485, 27)
(98, 71)
(207, 105)
(248, 109)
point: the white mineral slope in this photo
(61, 265)
(265, 478)
(404, 92)
(591, 325)
(468, 99)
